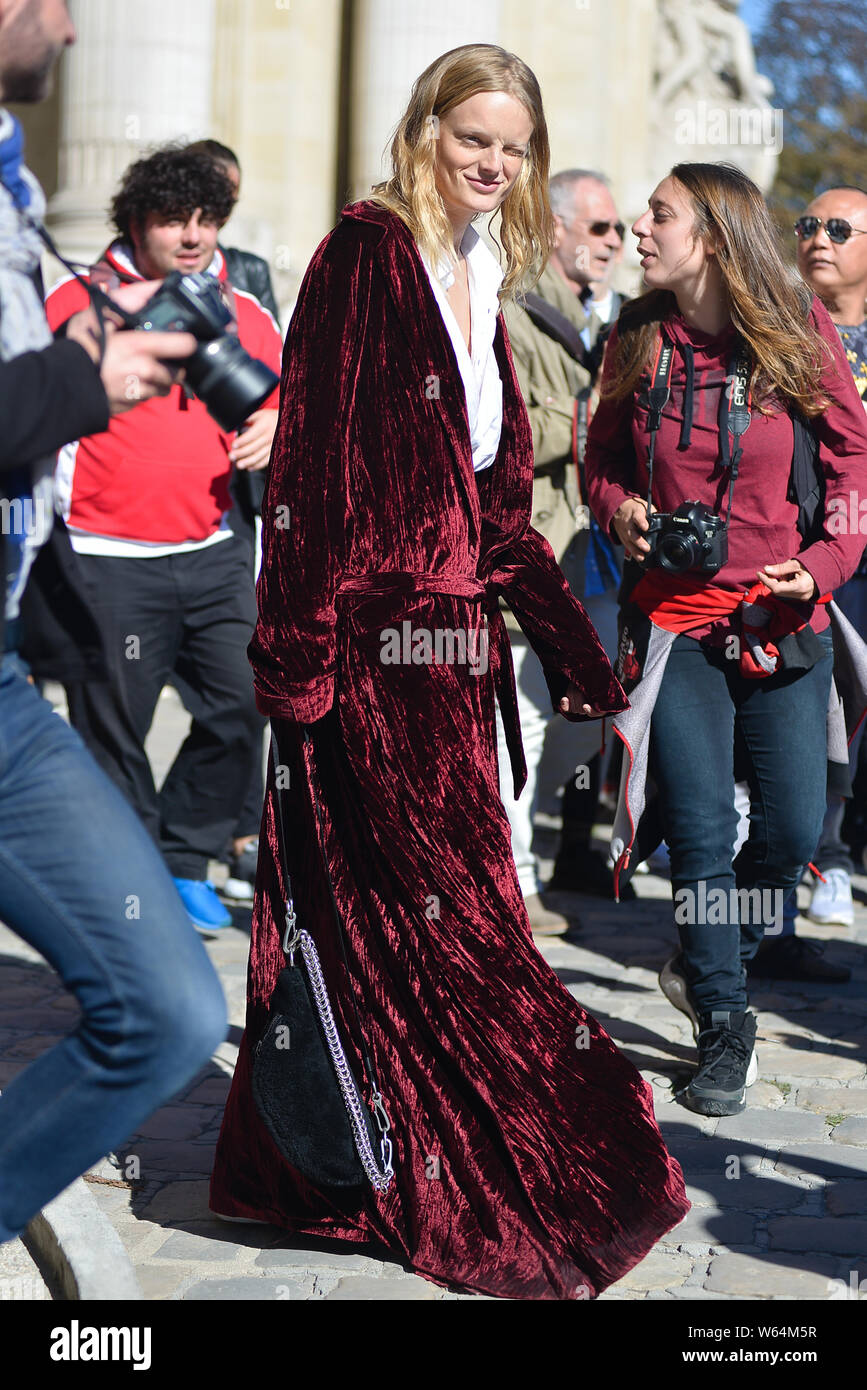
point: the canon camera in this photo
(230, 383)
(690, 538)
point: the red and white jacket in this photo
(157, 480)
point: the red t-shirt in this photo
(160, 472)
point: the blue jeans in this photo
(781, 720)
(82, 882)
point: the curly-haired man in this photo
(150, 514)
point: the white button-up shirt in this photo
(481, 376)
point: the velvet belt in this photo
(404, 584)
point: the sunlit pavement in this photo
(779, 1192)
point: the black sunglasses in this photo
(838, 228)
(601, 228)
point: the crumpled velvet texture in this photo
(528, 1162)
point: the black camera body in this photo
(229, 382)
(690, 538)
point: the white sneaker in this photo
(832, 900)
(238, 889)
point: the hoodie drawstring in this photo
(688, 396)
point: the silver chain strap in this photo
(379, 1173)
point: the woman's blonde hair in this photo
(527, 225)
(768, 303)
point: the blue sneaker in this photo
(205, 910)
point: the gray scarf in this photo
(22, 318)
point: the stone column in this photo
(594, 62)
(276, 100)
(140, 75)
(392, 43)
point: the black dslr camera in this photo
(230, 383)
(690, 538)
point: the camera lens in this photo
(230, 382)
(676, 553)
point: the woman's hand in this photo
(630, 523)
(789, 579)
(573, 702)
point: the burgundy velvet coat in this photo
(528, 1162)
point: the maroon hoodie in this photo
(687, 465)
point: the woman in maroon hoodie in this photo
(724, 632)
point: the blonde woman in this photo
(527, 1160)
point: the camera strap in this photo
(657, 400)
(734, 416)
(98, 298)
(734, 410)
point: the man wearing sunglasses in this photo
(557, 337)
(832, 257)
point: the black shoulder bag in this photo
(303, 1085)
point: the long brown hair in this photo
(768, 302)
(527, 225)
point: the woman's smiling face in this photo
(481, 145)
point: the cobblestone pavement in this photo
(779, 1193)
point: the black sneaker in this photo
(672, 982)
(795, 958)
(726, 1064)
(242, 874)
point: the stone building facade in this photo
(308, 93)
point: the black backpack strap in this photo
(807, 481)
(558, 327)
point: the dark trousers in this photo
(250, 816)
(833, 852)
(703, 704)
(191, 614)
(250, 820)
